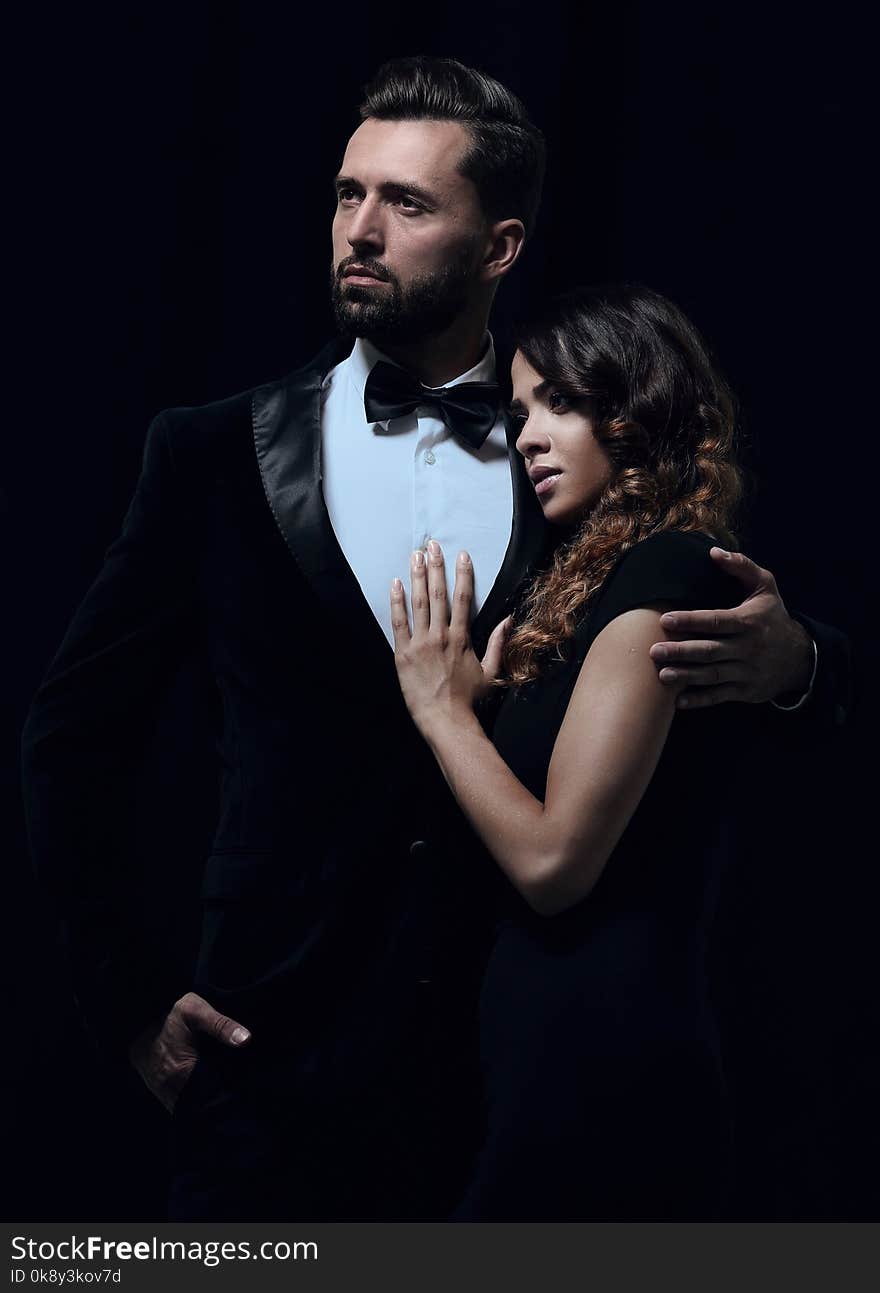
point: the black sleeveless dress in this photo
(605, 1095)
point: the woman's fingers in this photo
(430, 598)
(399, 617)
(463, 594)
(495, 649)
(437, 596)
(421, 615)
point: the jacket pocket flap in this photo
(258, 875)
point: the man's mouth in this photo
(360, 274)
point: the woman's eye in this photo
(557, 402)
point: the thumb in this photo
(491, 661)
(753, 577)
(200, 1016)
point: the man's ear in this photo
(505, 241)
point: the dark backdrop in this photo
(172, 172)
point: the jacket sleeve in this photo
(83, 743)
(829, 701)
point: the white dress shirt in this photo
(391, 486)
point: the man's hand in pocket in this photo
(166, 1056)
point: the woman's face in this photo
(567, 465)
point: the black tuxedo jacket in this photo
(342, 876)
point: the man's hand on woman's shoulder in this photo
(754, 652)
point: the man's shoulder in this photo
(233, 414)
(211, 416)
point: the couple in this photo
(439, 974)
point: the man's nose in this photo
(365, 227)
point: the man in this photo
(318, 1064)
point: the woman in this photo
(605, 1094)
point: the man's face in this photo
(409, 231)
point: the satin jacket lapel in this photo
(287, 435)
(528, 540)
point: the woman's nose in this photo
(531, 439)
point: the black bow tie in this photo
(469, 409)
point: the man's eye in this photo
(346, 195)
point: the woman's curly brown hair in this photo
(666, 418)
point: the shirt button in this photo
(430, 458)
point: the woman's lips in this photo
(546, 483)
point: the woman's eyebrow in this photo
(539, 391)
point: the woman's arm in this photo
(605, 754)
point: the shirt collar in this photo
(365, 356)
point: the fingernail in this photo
(240, 1035)
(668, 675)
(418, 558)
(434, 547)
(463, 558)
(725, 554)
(396, 585)
(668, 621)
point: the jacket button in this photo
(418, 848)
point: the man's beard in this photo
(426, 306)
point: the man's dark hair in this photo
(506, 157)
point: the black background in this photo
(172, 181)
